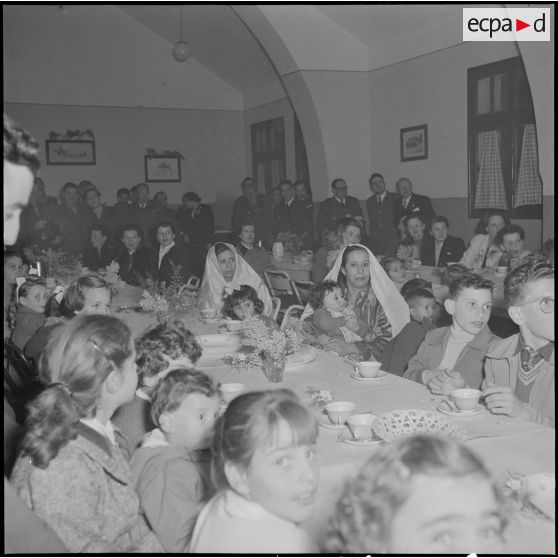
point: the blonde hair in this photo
(74, 365)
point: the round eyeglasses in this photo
(546, 304)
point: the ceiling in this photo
(220, 41)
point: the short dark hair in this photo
(418, 216)
(386, 261)
(246, 180)
(131, 227)
(517, 279)
(509, 229)
(246, 292)
(399, 180)
(191, 196)
(74, 297)
(320, 291)
(439, 219)
(346, 222)
(469, 281)
(99, 227)
(453, 272)
(415, 283)
(482, 225)
(375, 175)
(122, 191)
(336, 180)
(417, 294)
(283, 182)
(20, 147)
(166, 224)
(175, 387)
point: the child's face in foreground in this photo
(35, 299)
(97, 301)
(445, 515)
(282, 477)
(538, 323)
(194, 420)
(396, 272)
(422, 308)
(13, 267)
(334, 301)
(244, 309)
(471, 309)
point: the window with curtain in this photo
(268, 153)
(503, 151)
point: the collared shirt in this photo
(163, 250)
(339, 200)
(380, 197)
(406, 202)
(545, 351)
(437, 251)
(106, 430)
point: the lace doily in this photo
(397, 424)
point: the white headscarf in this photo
(213, 283)
(394, 305)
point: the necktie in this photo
(405, 202)
(529, 358)
(379, 199)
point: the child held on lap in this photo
(243, 303)
(70, 470)
(453, 357)
(265, 469)
(160, 349)
(519, 370)
(331, 315)
(170, 470)
(30, 310)
(420, 495)
(404, 346)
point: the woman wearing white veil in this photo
(380, 309)
(225, 271)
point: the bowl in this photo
(360, 425)
(339, 411)
(230, 391)
(369, 368)
(466, 399)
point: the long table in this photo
(503, 443)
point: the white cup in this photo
(339, 411)
(360, 425)
(466, 399)
(369, 369)
(230, 391)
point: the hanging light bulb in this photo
(181, 50)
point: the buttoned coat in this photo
(417, 204)
(331, 211)
(452, 250)
(384, 237)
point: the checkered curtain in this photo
(490, 192)
(528, 190)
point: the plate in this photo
(301, 357)
(324, 422)
(443, 409)
(347, 438)
(381, 375)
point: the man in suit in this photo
(380, 206)
(99, 251)
(145, 213)
(70, 216)
(339, 206)
(134, 259)
(410, 203)
(170, 255)
(97, 213)
(439, 249)
(290, 215)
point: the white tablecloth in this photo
(503, 443)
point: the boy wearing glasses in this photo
(519, 370)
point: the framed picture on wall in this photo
(162, 168)
(414, 143)
(70, 152)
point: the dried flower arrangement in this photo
(56, 263)
(292, 242)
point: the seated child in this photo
(453, 357)
(265, 469)
(453, 272)
(401, 348)
(169, 471)
(419, 495)
(31, 298)
(159, 350)
(393, 266)
(519, 370)
(331, 315)
(243, 303)
(511, 238)
(439, 315)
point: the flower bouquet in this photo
(292, 242)
(166, 299)
(62, 266)
(112, 278)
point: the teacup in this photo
(360, 425)
(339, 411)
(502, 269)
(415, 264)
(466, 399)
(230, 391)
(369, 369)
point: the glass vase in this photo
(274, 368)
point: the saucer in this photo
(457, 413)
(347, 438)
(381, 375)
(324, 422)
